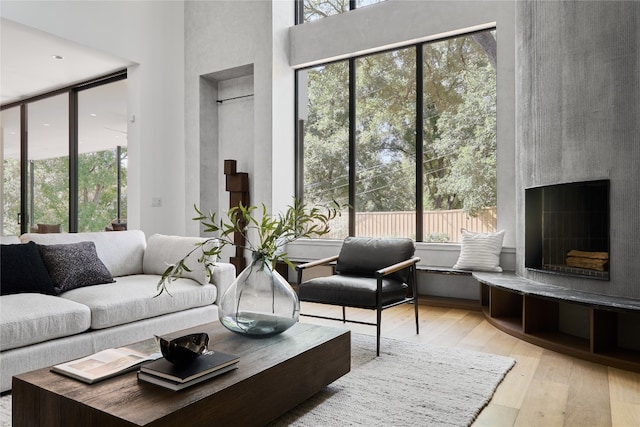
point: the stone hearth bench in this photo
(594, 327)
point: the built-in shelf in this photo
(532, 311)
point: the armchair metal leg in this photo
(414, 283)
(415, 307)
(344, 314)
(378, 330)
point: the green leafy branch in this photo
(273, 231)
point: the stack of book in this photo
(176, 377)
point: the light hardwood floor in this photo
(544, 388)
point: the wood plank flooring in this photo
(544, 388)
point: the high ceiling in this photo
(33, 62)
(28, 66)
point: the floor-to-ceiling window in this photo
(102, 155)
(10, 123)
(406, 137)
(64, 158)
(48, 162)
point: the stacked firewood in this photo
(590, 260)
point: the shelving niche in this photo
(537, 312)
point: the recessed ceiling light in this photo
(57, 57)
(45, 124)
(93, 115)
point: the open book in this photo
(105, 364)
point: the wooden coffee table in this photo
(274, 375)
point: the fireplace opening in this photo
(567, 229)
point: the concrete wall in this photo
(578, 94)
(151, 35)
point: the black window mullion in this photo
(73, 161)
(419, 144)
(24, 171)
(352, 147)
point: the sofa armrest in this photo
(223, 274)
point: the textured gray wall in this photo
(577, 118)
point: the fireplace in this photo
(567, 229)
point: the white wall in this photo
(150, 34)
(400, 22)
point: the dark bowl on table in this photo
(183, 349)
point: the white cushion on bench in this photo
(480, 251)
(132, 298)
(32, 318)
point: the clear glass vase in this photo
(259, 301)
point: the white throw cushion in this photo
(120, 251)
(480, 251)
(162, 251)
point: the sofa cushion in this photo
(32, 318)
(132, 298)
(351, 291)
(74, 265)
(10, 240)
(22, 270)
(120, 251)
(163, 251)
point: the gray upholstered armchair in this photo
(372, 273)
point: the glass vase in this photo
(259, 302)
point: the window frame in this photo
(419, 128)
(23, 104)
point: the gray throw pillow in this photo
(74, 265)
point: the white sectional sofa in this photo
(39, 330)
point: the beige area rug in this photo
(409, 384)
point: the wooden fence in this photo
(439, 226)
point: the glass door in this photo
(48, 164)
(10, 146)
(102, 157)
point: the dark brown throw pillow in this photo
(74, 265)
(22, 270)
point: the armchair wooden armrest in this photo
(397, 267)
(310, 264)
